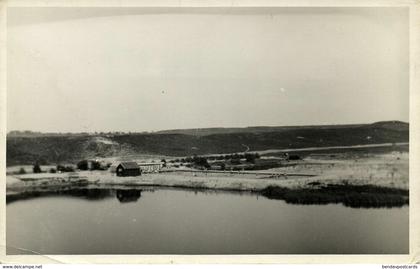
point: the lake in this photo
(179, 221)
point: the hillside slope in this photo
(58, 149)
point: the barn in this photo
(128, 169)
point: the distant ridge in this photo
(392, 125)
(395, 125)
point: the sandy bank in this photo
(239, 182)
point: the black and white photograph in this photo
(221, 130)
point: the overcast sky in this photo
(114, 69)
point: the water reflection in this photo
(121, 193)
(349, 196)
(125, 196)
(177, 221)
(90, 194)
(93, 194)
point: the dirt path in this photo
(268, 151)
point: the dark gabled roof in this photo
(129, 165)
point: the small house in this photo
(151, 167)
(128, 169)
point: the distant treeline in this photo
(28, 133)
(248, 156)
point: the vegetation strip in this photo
(357, 196)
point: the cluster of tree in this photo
(200, 161)
(195, 160)
(25, 133)
(90, 165)
(82, 165)
(63, 168)
(28, 133)
(250, 157)
(37, 169)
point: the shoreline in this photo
(307, 193)
(354, 196)
(379, 180)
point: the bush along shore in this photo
(356, 196)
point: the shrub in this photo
(96, 166)
(82, 165)
(37, 168)
(52, 170)
(235, 161)
(294, 157)
(22, 171)
(236, 156)
(250, 158)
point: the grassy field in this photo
(387, 170)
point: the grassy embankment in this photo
(370, 181)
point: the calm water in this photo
(173, 221)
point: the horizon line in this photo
(200, 128)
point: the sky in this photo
(148, 69)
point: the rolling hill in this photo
(73, 147)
